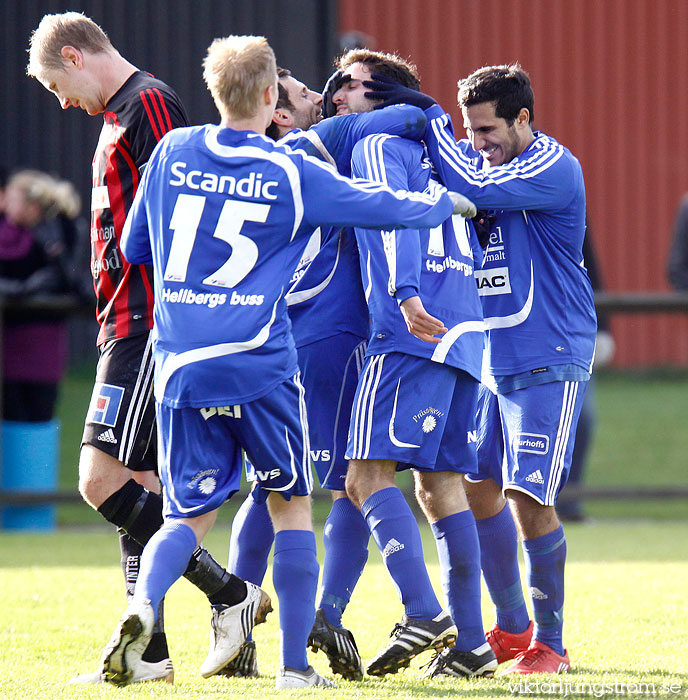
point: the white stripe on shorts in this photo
(363, 411)
(357, 356)
(141, 397)
(305, 445)
(561, 442)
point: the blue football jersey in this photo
(326, 296)
(328, 276)
(224, 216)
(536, 293)
(433, 263)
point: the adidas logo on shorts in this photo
(391, 547)
(535, 477)
(108, 436)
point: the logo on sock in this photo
(108, 436)
(536, 593)
(391, 547)
(535, 477)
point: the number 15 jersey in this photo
(224, 215)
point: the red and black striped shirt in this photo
(136, 118)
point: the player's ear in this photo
(523, 117)
(270, 94)
(283, 117)
(72, 55)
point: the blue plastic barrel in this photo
(30, 461)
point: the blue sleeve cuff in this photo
(404, 293)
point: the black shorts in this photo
(121, 416)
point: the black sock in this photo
(221, 587)
(157, 648)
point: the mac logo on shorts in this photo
(531, 442)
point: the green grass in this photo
(625, 621)
(625, 604)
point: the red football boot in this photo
(507, 644)
(539, 658)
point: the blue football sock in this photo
(163, 561)
(295, 577)
(545, 559)
(499, 562)
(251, 540)
(459, 555)
(346, 538)
(395, 530)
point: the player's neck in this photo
(256, 124)
(115, 70)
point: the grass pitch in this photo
(626, 627)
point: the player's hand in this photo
(392, 93)
(483, 223)
(463, 205)
(334, 82)
(419, 322)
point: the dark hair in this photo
(388, 64)
(507, 86)
(283, 102)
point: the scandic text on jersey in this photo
(251, 187)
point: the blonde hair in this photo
(53, 196)
(237, 70)
(66, 29)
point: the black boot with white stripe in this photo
(455, 662)
(339, 645)
(410, 638)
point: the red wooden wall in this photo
(611, 83)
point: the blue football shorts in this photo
(416, 412)
(526, 437)
(200, 458)
(330, 369)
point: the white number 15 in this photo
(186, 218)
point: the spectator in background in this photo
(569, 508)
(3, 185)
(677, 268)
(37, 238)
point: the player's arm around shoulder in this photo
(396, 120)
(331, 199)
